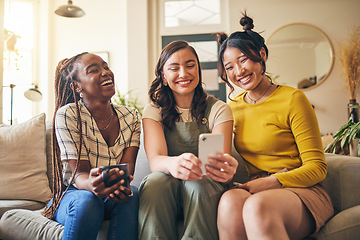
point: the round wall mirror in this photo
(300, 56)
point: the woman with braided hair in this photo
(89, 132)
(277, 134)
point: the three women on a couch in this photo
(276, 132)
(88, 132)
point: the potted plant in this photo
(350, 62)
(127, 100)
(348, 136)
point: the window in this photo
(194, 12)
(195, 21)
(19, 23)
(191, 16)
(206, 47)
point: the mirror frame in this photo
(326, 37)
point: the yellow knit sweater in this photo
(280, 132)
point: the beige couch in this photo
(21, 218)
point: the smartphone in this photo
(209, 145)
(125, 176)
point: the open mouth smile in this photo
(184, 83)
(107, 82)
(246, 79)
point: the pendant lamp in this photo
(70, 10)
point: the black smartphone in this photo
(125, 176)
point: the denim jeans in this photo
(82, 213)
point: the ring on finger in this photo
(184, 164)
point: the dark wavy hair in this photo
(248, 42)
(66, 75)
(163, 96)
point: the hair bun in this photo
(221, 37)
(246, 22)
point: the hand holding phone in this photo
(209, 145)
(107, 179)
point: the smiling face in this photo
(181, 73)
(242, 71)
(96, 80)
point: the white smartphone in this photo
(209, 145)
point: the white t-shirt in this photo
(220, 112)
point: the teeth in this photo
(245, 79)
(106, 82)
(184, 82)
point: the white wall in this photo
(118, 27)
(122, 27)
(335, 18)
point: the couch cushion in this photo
(22, 204)
(23, 161)
(344, 225)
(19, 224)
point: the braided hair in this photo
(248, 42)
(163, 96)
(65, 77)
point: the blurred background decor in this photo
(350, 62)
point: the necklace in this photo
(255, 100)
(184, 118)
(108, 119)
(101, 121)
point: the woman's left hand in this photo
(121, 194)
(222, 168)
(261, 184)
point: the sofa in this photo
(20, 212)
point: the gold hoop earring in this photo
(81, 95)
(165, 84)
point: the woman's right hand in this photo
(186, 167)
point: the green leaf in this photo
(354, 106)
(127, 100)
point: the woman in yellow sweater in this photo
(277, 134)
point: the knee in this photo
(203, 188)
(231, 203)
(256, 205)
(88, 201)
(257, 210)
(156, 184)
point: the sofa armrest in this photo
(344, 225)
(342, 181)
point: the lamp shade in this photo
(33, 94)
(69, 10)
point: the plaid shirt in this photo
(94, 148)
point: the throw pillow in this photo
(23, 161)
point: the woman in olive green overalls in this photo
(179, 111)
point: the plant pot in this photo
(353, 110)
(353, 148)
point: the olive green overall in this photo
(164, 198)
